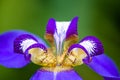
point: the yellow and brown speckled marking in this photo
(52, 62)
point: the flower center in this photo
(57, 57)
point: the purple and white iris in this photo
(18, 48)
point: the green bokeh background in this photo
(100, 18)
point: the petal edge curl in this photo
(8, 58)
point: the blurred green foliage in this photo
(100, 18)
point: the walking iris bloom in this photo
(18, 48)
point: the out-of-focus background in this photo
(100, 18)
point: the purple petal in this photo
(8, 57)
(112, 78)
(23, 41)
(93, 45)
(90, 45)
(63, 75)
(37, 45)
(72, 27)
(76, 46)
(42, 75)
(68, 75)
(105, 67)
(85, 60)
(51, 26)
(13, 60)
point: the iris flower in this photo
(18, 48)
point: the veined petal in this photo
(8, 57)
(90, 45)
(65, 29)
(25, 42)
(37, 45)
(93, 45)
(22, 42)
(105, 67)
(60, 35)
(29, 46)
(62, 75)
(62, 28)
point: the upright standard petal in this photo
(72, 30)
(69, 27)
(62, 75)
(105, 67)
(8, 57)
(51, 26)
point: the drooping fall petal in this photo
(105, 67)
(91, 46)
(8, 57)
(62, 75)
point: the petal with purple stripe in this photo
(42, 75)
(90, 45)
(68, 75)
(22, 42)
(62, 75)
(37, 45)
(8, 57)
(61, 30)
(33, 49)
(25, 42)
(105, 67)
(93, 45)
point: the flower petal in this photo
(25, 42)
(22, 42)
(68, 75)
(51, 26)
(90, 45)
(111, 78)
(42, 75)
(62, 75)
(105, 67)
(72, 30)
(8, 57)
(93, 45)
